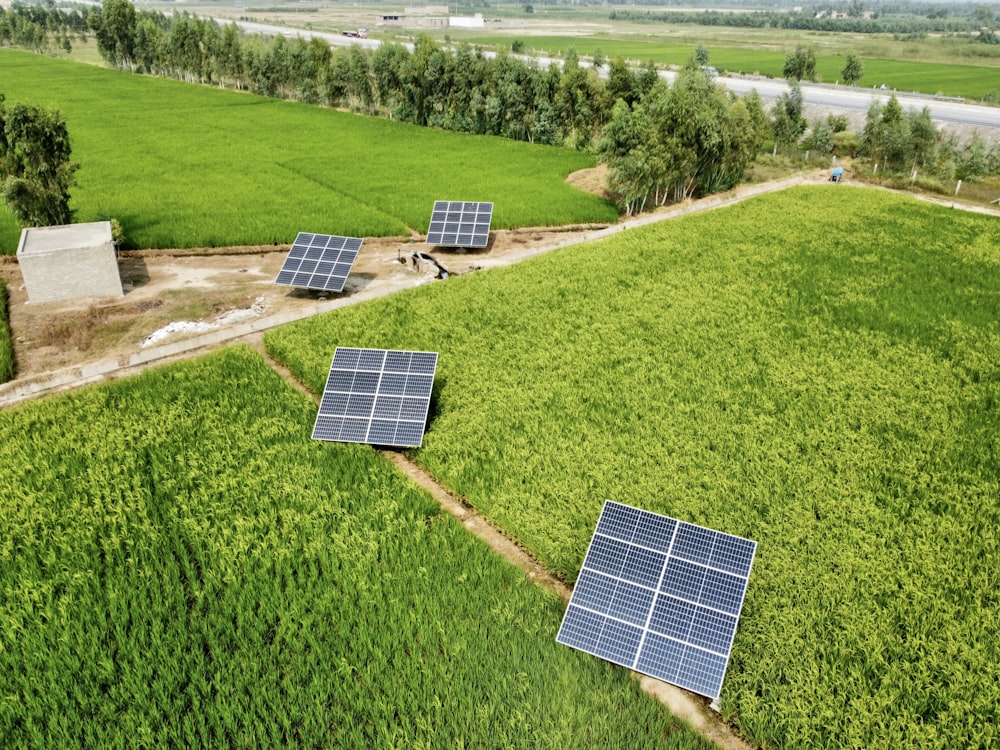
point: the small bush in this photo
(846, 143)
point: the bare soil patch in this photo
(593, 180)
(175, 294)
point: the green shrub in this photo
(846, 143)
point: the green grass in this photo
(952, 79)
(186, 166)
(6, 346)
(181, 566)
(816, 370)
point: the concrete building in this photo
(467, 22)
(71, 262)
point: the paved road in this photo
(944, 111)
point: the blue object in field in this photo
(837, 171)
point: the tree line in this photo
(34, 27)
(673, 142)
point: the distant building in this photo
(70, 262)
(467, 22)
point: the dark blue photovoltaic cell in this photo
(408, 433)
(606, 556)
(618, 642)
(734, 555)
(362, 403)
(460, 224)
(319, 261)
(397, 361)
(631, 603)
(423, 362)
(672, 617)
(693, 543)
(660, 596)
(618, 521)
(684, 579)
(413, 408)
(723, 591)
(642, 566)
(702, 672)
(712, 630)
(580, 629)
(655, 531)
(595, 591)
(660, 657)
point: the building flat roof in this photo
(42, 240)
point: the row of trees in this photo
(908, 142)
(905, 143)
(35, 27)
(800, 65)
(673, 142)
(460, 90)
(660, 142)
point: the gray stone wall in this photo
(74, 273)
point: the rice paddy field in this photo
(972, 81)
(817, 370)
(190, 166)
(182, 566)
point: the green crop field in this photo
(817, 370)
(6, 345)
(181, 566)
(185, 166)
(952, 79)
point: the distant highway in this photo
(860, 99)
(850, 98)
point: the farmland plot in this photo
(818, 370)
(180, 565)
(181, 165)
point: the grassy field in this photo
(6, 345)
(952, 79)
(188, 166)
(816, 370)
(181, 566)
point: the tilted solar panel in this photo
(460, 224)
(376, 396)
(319, 261)
(660, 596)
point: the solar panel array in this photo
(376, 396)
(460, 224)
(660, 596)
(319, 261)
